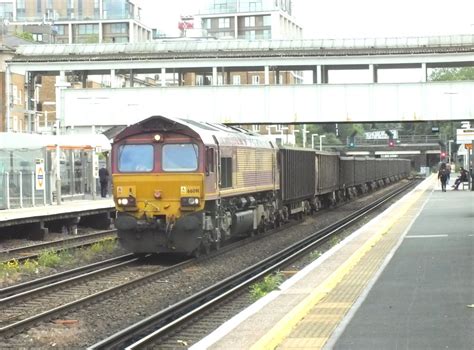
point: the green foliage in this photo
(49, 259)
(265, 286)
(25, 36)
(333, 241)
(105, 246)
(30, 266)
(315, 254)
(449, 74)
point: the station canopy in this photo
(10, 140)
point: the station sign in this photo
(464, 136)
(40, 177)
(95, 166)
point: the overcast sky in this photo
(344, 18)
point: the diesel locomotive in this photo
(185, 186)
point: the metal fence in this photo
(18, 190)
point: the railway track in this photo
(43, 299)
(33, 251)
(32, 302)
(176, 279)
(153, 330)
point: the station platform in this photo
(97, 211)
(403, 280)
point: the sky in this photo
(343, 18)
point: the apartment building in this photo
(76, 21)
(249, 19)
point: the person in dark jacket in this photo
(443, 176)
(461, 178)
(104, 181)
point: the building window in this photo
(220, 80)
(256, 128)
(250, 35)
(255, 79)
(37, 37)
(199, 80)
(236, 80)
(206, 23)
(267, 20)
(59, 29)
(267, 34)
(119, 28)
(20, 9)
(38, 7)
(87, 29)
(79, 8)
(15, 95)
(249, 21)
(6, 11)
(224, 22)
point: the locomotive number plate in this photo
(190, 190)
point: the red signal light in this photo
(391, 143)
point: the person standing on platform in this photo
(443, 176)
(104, 181)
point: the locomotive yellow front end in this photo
(158, 181)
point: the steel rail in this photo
(176, 314)
(29, 287)
(88, 239)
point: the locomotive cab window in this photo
(210, 160)
(135, 158)
(180, 157)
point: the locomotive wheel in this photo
(205, 247)
(196, 253)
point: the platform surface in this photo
(409, 301)
(49, 210)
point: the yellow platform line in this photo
(283, 328)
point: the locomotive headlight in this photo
(126, 201)
(122, 201)
(189, 201)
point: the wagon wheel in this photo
(216, 245)
(205, 247)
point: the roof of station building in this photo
(209, 48)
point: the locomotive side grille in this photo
(254, 167)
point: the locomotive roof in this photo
(209, 133)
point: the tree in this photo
(456, 73)
(25, 36)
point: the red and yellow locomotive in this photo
(183, 186)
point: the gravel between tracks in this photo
(95, 322)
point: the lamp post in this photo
(304, 135)
(449, 151)
(321, 142)
(312, 140)
(294, 135)
(283, 128)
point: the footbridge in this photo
(249, 82)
